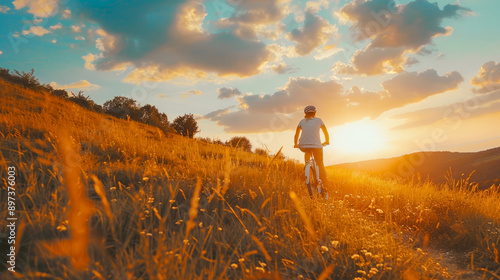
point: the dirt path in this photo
(456, 263)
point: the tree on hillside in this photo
(121, 107)
(186, 125)
(25, 79)
(28, 79)
(151, 116)
(205, 139)
(60, 93)
(86, 102)
(240, 142)
(262, 152)
(218, 142)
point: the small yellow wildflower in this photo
(260, 269)
(61, 228)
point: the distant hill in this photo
(436, 166)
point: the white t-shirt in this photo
(309, 138)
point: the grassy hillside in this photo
(483, 167)
(102, 198)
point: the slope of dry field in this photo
(102, 198)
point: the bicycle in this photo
(313, 182)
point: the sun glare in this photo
(358, 137)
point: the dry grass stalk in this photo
(326, 273)
(303, 214)
(81, 208)
(99, 189)
(193, 210)
(262, 248)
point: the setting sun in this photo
(358, 137)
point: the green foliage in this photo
(186, 125)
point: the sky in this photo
(387, 77)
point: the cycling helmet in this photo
(309, 108)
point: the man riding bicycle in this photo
(310, 141)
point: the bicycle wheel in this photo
(320, 187)
(311, 179)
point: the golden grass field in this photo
(103, 198)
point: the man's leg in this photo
(318, 156)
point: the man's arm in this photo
(327, 136)
(296, 138)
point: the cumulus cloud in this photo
(89, 61)
(66, 14)
(394, 31)
(316, 32)
(80, 84)
(327, 51)
(39, 8)
(1, 52)
(77, 28)
(281, 110)
(4, 9)
(404, 89)
(164, 40)
(488, 78)
(282, 68)
(486, 100)
(316, 6)
(415, 86)
(252, 18)
(36, 30)
(215, 113)
(56, 26)
(259, 12)
(294, 94)
(453, 114)
(226, 92)
(191, 92)
(373, 61)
